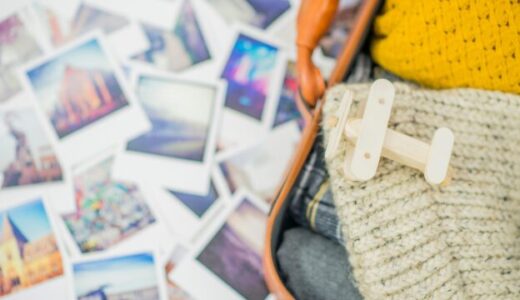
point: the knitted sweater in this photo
(409, 240)
(451, 43)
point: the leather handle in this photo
(314, 19)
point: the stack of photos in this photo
(135, 276)
(177, 49)
(98, 198)
(142, 143)
(258, 13)
(18, 45)
(31, 258)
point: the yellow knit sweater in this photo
(451, 43)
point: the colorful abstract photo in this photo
(248, 72)
(181, 114)
(128, 277)
(29, 253)
(107, 211)
(26, 154)
(77, 87)
(17, 45)
(180, 48)
(332, 42)
(287, 109)
(234, 253)
(258, 13)
(196, 203)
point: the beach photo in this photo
(179, 48)
(26, 153)
(180, 112)
(258, 13)
(128, 277)
(29, 251)
(17, 45)
(234, 254)
(107, 211)
(77, 88)
(286, 108)
(249, 70)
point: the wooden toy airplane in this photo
(372, 139)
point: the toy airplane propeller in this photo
(371, 138)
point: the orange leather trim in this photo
(272, 278)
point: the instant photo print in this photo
(260, 167)
(133, 275)
(252, 68)
(19, 43)
(124, 36)
(110, 215)
(228, 261)
(83, 97)
(31, 253)
(177, 152)
(28, 157)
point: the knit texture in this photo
(409, 240)
(454, 43)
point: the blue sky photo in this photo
(31, 218)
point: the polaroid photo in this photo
(19, 43)
(110, 215)
(28, 155)
(124, 36)
(187, 214)
(83, 97)
(177, 152)
(32, 256)
(258, 13)
(228, 260)
(286, 106)
(176, 254)
(189, 47)
(261, 167)
(253, 69)
(159, 13)
(133, 275)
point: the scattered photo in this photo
(88, 18)
(198, 204)
(129, 277)
(258, 13)
(81, 93)
(107, 211)
(332, 43)
(235, 252)
(31, 259)
(175, 292)
(177, 49)
(286, 108)
(260, 168)
(177, 152)
(18, 45)
(27, 156)
(248, 71)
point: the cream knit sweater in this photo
(409, 240)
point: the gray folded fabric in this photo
(315, 268)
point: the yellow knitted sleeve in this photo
(451, 43)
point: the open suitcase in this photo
(313, 20)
